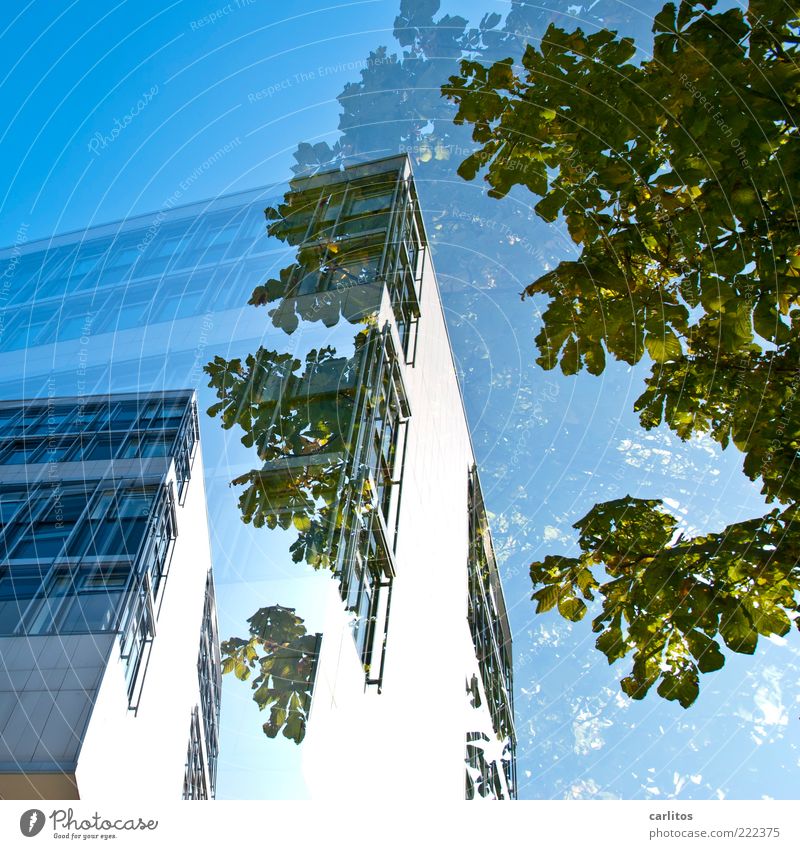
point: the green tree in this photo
(674, 177)
(283, 656)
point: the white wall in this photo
(143, 756)
(409, 741)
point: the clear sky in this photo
(109, 107)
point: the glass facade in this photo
(88, 493)
(86, 541)
(131, 306)
(135, 274)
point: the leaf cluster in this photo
(671, 176)
(280, 656)
(668, 601)
(298, 421)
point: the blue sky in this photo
(112, 109)
(221, 72)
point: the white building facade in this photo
(413, 691)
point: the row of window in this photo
(492, 646)
(123, 527)
(338, 210)
(209, 673)
(61, 419)
(206, 240)
(194, 780)
(125, 306)
(84, 448)
(73, 522)
(371, 504)
(66, 600)
(116, 430)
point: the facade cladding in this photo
(366, 458)
(99, 592)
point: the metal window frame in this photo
(494, 659)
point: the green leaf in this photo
(680, 685)
(738, 632)
(706, 651)
(612, 644)
(301, 521)
(663, 347)
(571, 608)
(546, 598)
(570, 359)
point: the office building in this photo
(368, 471)
(109, 656)
(414, 674)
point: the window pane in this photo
(89, 612)
(17, 455)
(370, 203)
(134, 504)
(9, 504)
(103, 448)
(53, 422)
(55, 452)
(45, 542)
(124, 416)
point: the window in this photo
(53, 420)
(85, 262)
(21, 424)
(114, 526)
(103, 446)
(365, 585)
(406, 310)
(25, 328)
(210, 680)
(25, 277)
(18, 453)
(362, 594)
(149, 445)
(490, 632)
(123, 416)
(364, 203)
(44, 538)
(56, 451)
(138, 630)
(55, 268)
(70, 600)
(97, 600)
(17, 588)
(170, 245)
(6, 418)
(78, 600)
(10, 503)
(353, 267)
